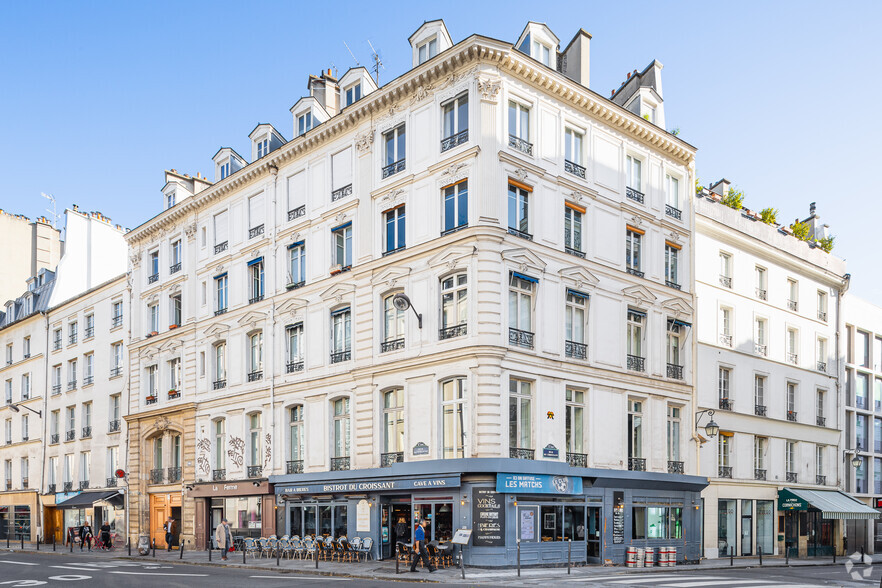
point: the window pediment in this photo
(678, 306)
(217, 330)
(452, 256)
(524, 259)
(251, 319)
(292, 305)
(390, 276)
(337, 292)
(640, 294)
(579, 276)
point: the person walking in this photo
(223, 537)
(169, 528)
(86, 535)
(419, 547)
(105, 535)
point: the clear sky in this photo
(98, 98)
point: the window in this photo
(520, 310)
(72, 374)
(157, 453)
(790, 456)
(88, 333)
(151, 381)
(175, 309)
(819, 461)
(25, 420)
(573, 151)
(393, 422)
(53, 472)
(87, 419)
(24, 463)
(153, 311)
(26, 342)
(342, 246)
(520, 429)
(576, 317)
(674, 346)
(636, 318)
(8, 389)
(724, 381)
(220, 232)
(68, 468)
(224, 170)
(726, 326)
(304, 123)
(254, 439)
(114, 408)
(174, 375)
(54, 425)
(255, 273)
(219, 445)
(56, 344)
(175, 257)
(255, 216)
(294, 339)
(822, 354)
(169, 200)
(791, 401)
(255, 356)
(759, 394)
(635, 430)
(820, 413)
(220, 290)
(453, 415)
(394, 221)
(724, 454)
(633, 252)
(862, 343)
(427, 50)
(393, 325)
(71, 422)
(792, 345)
(341, 335)
(822, 306)
(672, 191)
(454, 306)
(394, 146)
(761, 281)
(634, 170)
(88, 370)
(519, 127)
(575, 419)
(154, 267)
(116, 359)
(541, 53)
(353, 93)
(573, 229)
(220, 365)
(518, 211)
(455, 122)
(116, 315)
(672, 265)
(112, 461)
(9, 353)
(341, 427)
(72, 333)
(793, 295)
(295, 433)
(341, 174)
(26, 383)
(262, 147)
(759, 455)
(8, 431)
(674, 433)
(725, 270)
(456, 207)
(760, 336)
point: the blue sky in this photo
(97, 99)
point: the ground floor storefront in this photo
(545, 507)
(19, 515)
(248, 505)
(65, 512)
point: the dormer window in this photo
(169, 200)
(224, 170)
(304, 123)
(541, 53)
(353, 93)
(428, 50)
(262, 148)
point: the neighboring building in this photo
(547, 348)
(28, 247)
(769, 308)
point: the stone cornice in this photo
(415, 85)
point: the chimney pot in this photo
(812, 208)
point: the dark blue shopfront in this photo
(546, 506)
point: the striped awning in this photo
(832, 503)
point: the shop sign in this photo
(229, 489)
(461, 536)
(421, 449)
(551, 452)
(62, 496)
(789, 501)
(488, 517)
(370, 486)
(618, 517)
(363, 516)
(879, 503)
(538, 484)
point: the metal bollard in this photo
(569, 555)
(834, 554)
(759, 550)
(181, 555)
(22, 544)
(278, 555)
(7, 540)
(315, 555)
(38, 543)
(70, 542)
(397, 561)
(731, 556)
(154, 548)
(519, 558)
(209, 553)
(786, 554)
(53, 541)
(129, 545)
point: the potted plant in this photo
(173, 393)
(151, 398)
(173, 326)
(153, 333)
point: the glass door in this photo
(385, 531)
(746, 527)
(593, 535)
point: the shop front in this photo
(73, 509)
(248, 506)
(812, 523)
(19, 515)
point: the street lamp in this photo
(856, 459)
(15, 408)
(711, 428)
(402, 303)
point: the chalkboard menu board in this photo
(488, 517)
(618, 517)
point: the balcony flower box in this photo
(172, 327)
(152, 333)
(174, 394)
(151, 399)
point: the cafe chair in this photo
(367, 548)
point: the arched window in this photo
(454, 306)
(393, 325)
(220, 461)
(393, 426)
(453, 416)
(220, 365)
(341, 434)
(295, 433)
(255, 356)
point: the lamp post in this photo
(15, 408)
(402, 303)
(856, 459)
(711, 428)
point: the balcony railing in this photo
(294, 366)
(519, 233)
(521, 453)
(174, 475)
(113, 426)
(255, 471)
(759, 474)
(393, 251)
(821, 480)
(84, 484)
(221, 247)
(576, 350)
(673, 285)
(387, 459)
(173, 269)
(520, 144)
(153, 278)
(454, 229)
(761, 349)
(294, 466)
(673, 212)
(392, 345)
(675, 467)
(172, 394)
(454, 140)
(297, 212)
(339, 464)
(111, 482)
(116, 371)
(56, 345)
(87, 432)
(725, 281)
(792, 477)
(341, 356)
(822, 422)
(255, 376)
(67, 486)
(762, 294)
(295, 285)
(822, 366)
(156, 476)
(218, 384)
(577, 460)
(759, 410)
(72, 385)
(116, 321)
(255, 231)
(675, 371)
(51, 488)
(822, 315)
(520, 338)
(53, 439)
(9, 484)
(637, 464)
(791, 416)
(634, 271)
(88, 380)
(726, 340)
(150, 400)
(451, 332)
(218, 475)
(724, 472)
(255, 299)
(793, 305)
(392, 169)
(220, 311)
(726, 404)
(635, 195)
(574, 168)
(56, 389)
(341, 193)
(792, 358)
(70, 435)
(25, 483)
(88, 333)
(636, 363)
(574, 252)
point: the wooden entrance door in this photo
(159, 511)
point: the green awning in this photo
(832, 503)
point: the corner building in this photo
(456, 296)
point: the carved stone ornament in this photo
(135, 258)
(219, 268)
(422, 92)
(673, 237)
(364, 141)
(162, 423)
(488, 89)
(521, 174)
(268, 451)
(295, 237)
(340, 217)
(203, 447)
(236, 451)
(190, 231)
(636, 220)
(392, 197)
(576, 196)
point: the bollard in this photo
(278, 554)
(731, 556)
(53, 541)
(397, 560)
(243, 553)
(7, 540)
(759, 550)
(315, 555)
(786, 554)
(38, 543)
(70, 542)
(834, 554)
(209, 553)
(569, 554)
(154, 548)
(181, 555)
(519, 558)
(129, 545)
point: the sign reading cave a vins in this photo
(488, 517)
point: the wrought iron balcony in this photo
(635, 195)
(762, 294)
(392, 345)
(88, 333)
(634, 271)
(761, 349)
(150, 400)
(51, 488)
(297, 212)
(221, 247)
(520, 144)
(72, 385)
(255, 231)
(67, 486)
(576, 350)
(793, 305)
(56, 389)
(759, 474)
(219, 384)
(726, 403)
(25, 483)
(153, 278)
(792, 477)
(53, 438)
(172, 394)
(519, 233)
(454, 140)
(393, 251)
(673, 212)
(724, 472)
(675, 371)
(822, 422)
(70, 435)
(821, 480)
(792, 357)
(111, 482)
(341, 356)
(675, 467)
(521, 453)
(294, 366)
(387, 459)
(113, 426)
(822, 315)
(255, 471)
(574, 168)
(88, 380)
(174, 475)
(173, 269)
(725, 281)
(255, 299)
(56, 345)
(294, 466)
(577, 460)
(636, 363)
(341, 193)
(220, 311)
(454, 229)
(392, 169)
(84, 484)
(156, 475)
(726, 340)
(637, 464)
(520, 338)
(9, 484)
(255, 376)
(115, 371)
(339, 464)
(451, 332)
(72, 338)
(574, 252)
(759, 410)
(822, 366)
(673, 285)
(87, 432)
(218, 475)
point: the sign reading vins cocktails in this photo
(488, 517)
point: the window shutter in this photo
(255, 211)
(297, 190)
(220, 228)
(341, 168)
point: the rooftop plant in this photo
(733, 199)
(769, 215)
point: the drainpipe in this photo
(693, 332)
(126, 408)
(44, 419)
(272, 358)
(840, 405)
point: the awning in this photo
(832, 503)
(84, 499)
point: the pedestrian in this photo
(86, 535)
(419, 547)
(105, 535)
(169, 528)
(223, 538)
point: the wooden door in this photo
(158, 514)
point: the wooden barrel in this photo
(630, 557)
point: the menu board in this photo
(618, 517)
(488, 517)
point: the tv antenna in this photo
(378, 63)
(53, 212)
(357, 64)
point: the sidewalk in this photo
(385, 570)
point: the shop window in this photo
(638, 522)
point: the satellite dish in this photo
(401, 301)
